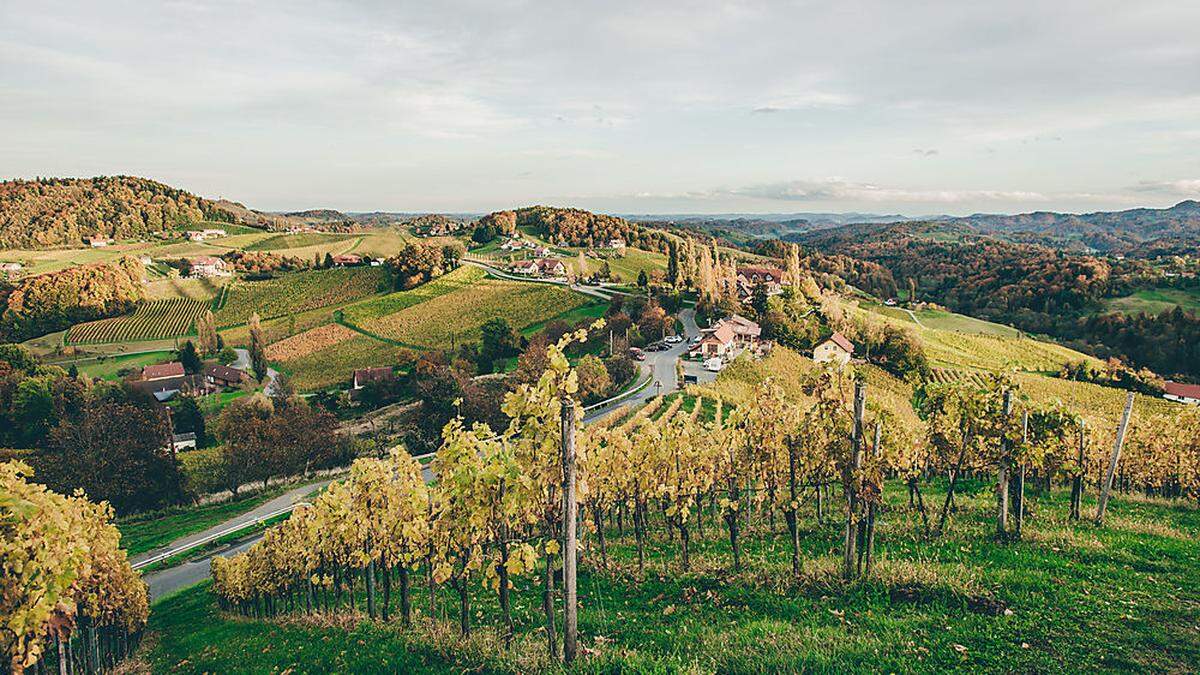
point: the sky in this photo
(872, 106)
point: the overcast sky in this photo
(633, 107)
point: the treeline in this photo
(1031, 287)
(418, 263)
(576, 227)
(46, 303)
(66, 211)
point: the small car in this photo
(673, 339)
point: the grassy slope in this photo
(148, 532)
(1126, 597)
(1155, 301)
(107, 369)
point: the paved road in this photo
(243, 363)
(660, 365)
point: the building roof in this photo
(771, 273)
(841, 341)
(347, 258)
(743, 326)
(548, 264)
(723, 333)
(377, 374)
(1182, 390)
(207, 260)
(219, 371)
(172, 369)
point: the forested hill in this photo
(49, 212)
(1118, 231)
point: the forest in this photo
(49, 302)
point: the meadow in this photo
(1155, 301)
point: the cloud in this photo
(925, 152)
(1188, 187)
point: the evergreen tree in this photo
(190, 358)
(189, 418)
(258, 346)
(642, 280)
(673, 264)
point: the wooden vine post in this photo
(1002, 473)
(1106, 488)
(570, 544)
(1019, 491)
(1077, 483)
(853, 467)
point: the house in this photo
(208, 266)
(347, 260)
(219, 376)
(548, 267)
(365, 376)
(615, 243)
(201, 235)
(1182, 393)
(746, 332)
(98, 242)
(541, 251)
(836, 349)
(162, 371)
(528, 267)
(184, 441)
(163, 381)
(10, 267)
(719, 342)
(749, 277)
(514, 244)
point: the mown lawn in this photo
(1071, 596)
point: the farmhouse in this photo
(549, 267)
(365, 376)
(163, 381)
(1182, 393)
(347, 260)
(615, 243)
(10, 267)
(836, 349)
(98, 242)
(219, 376)
(201, 235)
(528, 267)
(208, 266)
(750, 277)
(729, 336)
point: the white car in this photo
(673, 339)
(714, 365)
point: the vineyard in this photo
(70, 600)
(456, 315)
(301, 240)
(391, 303)
(332, 365)
(153, 320)
(297, 292)
(667, 491)
(310, 341)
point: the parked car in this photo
(637, 354)
(674, 339)
(714, 365)
(657, 347)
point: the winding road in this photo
(243, 363)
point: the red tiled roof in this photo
(347, 258)
(173, 369)
(723, 333)
(207, 260)
(841, 341)
(223, 372)
(547, 265)
(379, 374)
(771, 273)
(743, 326)
(1182, 390)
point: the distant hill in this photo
(50, 212)
(1102, 231)
(319, 216)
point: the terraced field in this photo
(457, 315)
(333, 365)
(152, 320)
(297, 292)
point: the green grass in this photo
(943, 320)
(1122, 598)
(572, 316)
(107, 368)
(154, 530)
(299, 240)
(333, 366)
(627, 267)
(1155, 301)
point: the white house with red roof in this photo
(837, 349)
(208, 266)
(1182, 393)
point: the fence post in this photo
(850, 545)
(569, 517)
(1002, 473)
(1106, 489)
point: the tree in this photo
(188, 418)
(189, 358)
(328, 261)
(673, 264)
(116, 452)
(642, 279)
(206, 334)
(497, 341)
(33, 410)
(759, 299)
(258, 346)
(594, 381)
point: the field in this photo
(297, 292)
(190, 289)
(310, 341)
(332, 366)
(109, 367)
(626, 268)
(391, 303)
(1155, 301)
(1122, 598)
(280, 242)
(458, 315)
(153, 320)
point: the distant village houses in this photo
(201, 235)
(540, 267)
